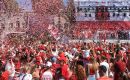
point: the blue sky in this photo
(65, 2)
(27, 5)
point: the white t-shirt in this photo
(25, 77)
(69, 55)
(106, 65)
(55, 53)
(47, 75)
(11, 68)
(86, 53)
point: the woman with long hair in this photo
(80, 71)
(92, 68)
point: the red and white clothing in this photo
(92, 73)
(4, 75)
(38, 60)
(104, 78)
(11, 68)
(65, 71)
(17, 66)
(25, 76)
(47, 75)
(104, 63)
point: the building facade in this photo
(109, 10)
(12, 20)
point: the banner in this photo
(53, 31)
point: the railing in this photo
(102, 35)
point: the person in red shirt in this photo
(102, 72)
(119, 68)
(64, 69)
(54, 64)
(17, 65)
(4, 75)
(38, 60)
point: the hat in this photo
(41, 47)
(54, 59)
(63, 59)
(62, 54)
(48, 64)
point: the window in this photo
(83, 3)
(0, 7)
(2, 26)
(11, 25)
(24, 25)
(79, 9)
(18, 24)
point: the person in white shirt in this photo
(11, 68)
(47, 75)
(86, 53)
(70, 56)
(25, 75)
(55, 52)
(74, 51)
(104, 63)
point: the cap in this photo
(62, 59)
(54, 59)
(48, 64)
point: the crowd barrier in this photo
(108, 41)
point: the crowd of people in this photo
(73, 61)
(106, 29)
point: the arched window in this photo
(2, 25)
(24, 25)
(18, 24)
(11, 25)
(0, 7)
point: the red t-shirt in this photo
(5, 75)
(55, 66)
(65, 72)
(38, 60)
(121, 66)
(42, 55)
(104, 78)
(17, 66)
(41, 47)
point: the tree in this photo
(11, 5)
